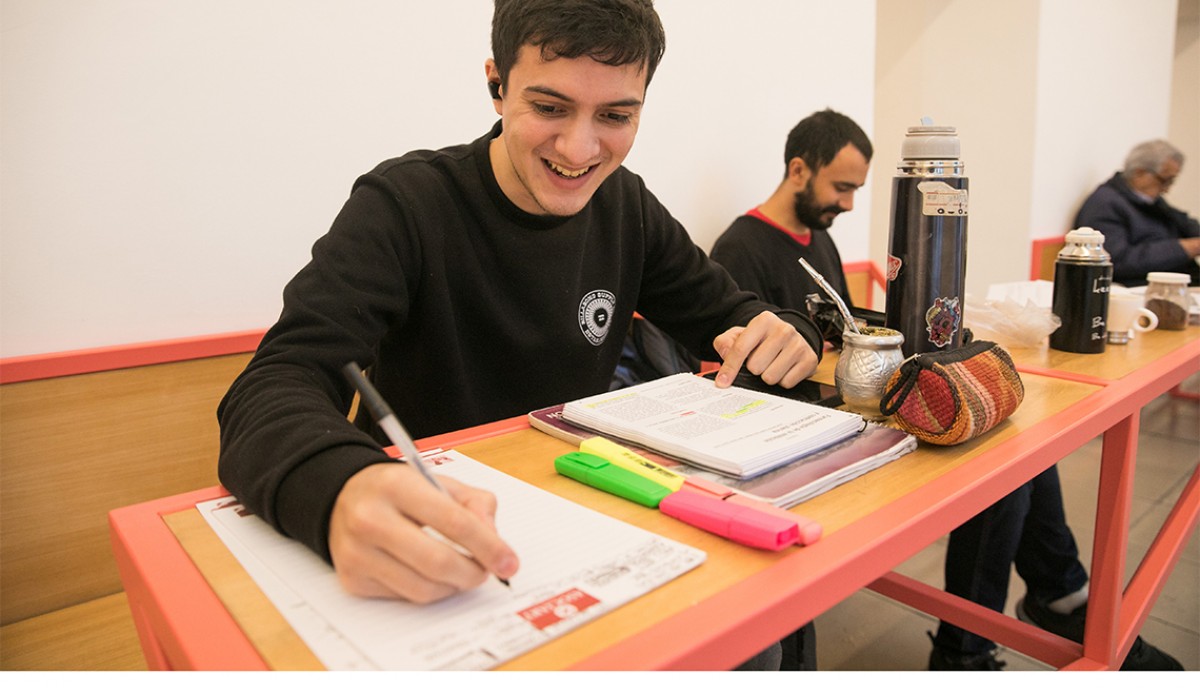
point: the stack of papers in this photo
(783, 487)
(733, 431)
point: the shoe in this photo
(941, 659)
(1142, 655)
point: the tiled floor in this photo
(869, 632)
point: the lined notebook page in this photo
(576, 565)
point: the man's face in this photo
(568, 123)
(830, 191)
(1158, 183)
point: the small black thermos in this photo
(1082, 280)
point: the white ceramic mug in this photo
(1125, 313)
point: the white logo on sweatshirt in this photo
(595, 315)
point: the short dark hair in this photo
(818, 138)
(612, 32)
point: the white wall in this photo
(737, 77)
(1184, 128)
(1104, 85)
(971, 65)
(166, 166)
(1048, 97)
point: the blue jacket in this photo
(1141, 237)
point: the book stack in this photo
(734, 431)
(784, 487)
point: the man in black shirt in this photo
(826, 159)
(476, 283)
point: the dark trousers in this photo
(1027, 528)
(800, 649)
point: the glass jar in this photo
(867, 362)
(1167, 295)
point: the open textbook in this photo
(733, 431)
(783, 487)
(576, 564)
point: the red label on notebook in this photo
(545, 614)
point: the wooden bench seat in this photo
(72, 449)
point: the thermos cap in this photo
(1085, 235)
(930, 142)
(1084, 245)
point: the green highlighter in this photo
(600, 473)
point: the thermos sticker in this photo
(942, 320)
(939, 198)
(893, 267)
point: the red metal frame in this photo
(732, 624)
(852, 557)
(59, 364)
(873, 272)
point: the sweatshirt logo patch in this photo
(595, 315)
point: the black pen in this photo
(390, 424)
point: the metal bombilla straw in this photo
(846, 316)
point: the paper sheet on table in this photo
(1038, 292)
(576, 565)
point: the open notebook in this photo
(734, 431)
(785, 486)
(576, 565)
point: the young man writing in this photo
(476, 283)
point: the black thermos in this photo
(1082, 281)
(927, 242)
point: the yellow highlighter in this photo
(632, 461)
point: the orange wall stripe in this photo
(60, 364)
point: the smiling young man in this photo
(568, 124)
(475, 283)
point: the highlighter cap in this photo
(762, 529)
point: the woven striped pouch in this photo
(949, 397)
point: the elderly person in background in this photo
(1142, 232)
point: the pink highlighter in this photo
(810, 530)
(741, 524)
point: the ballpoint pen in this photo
(382, 413)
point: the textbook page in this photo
(576, 565)
(735, 431)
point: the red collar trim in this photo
(802, 240)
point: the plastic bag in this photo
(1008, 323)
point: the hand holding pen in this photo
(382, 522)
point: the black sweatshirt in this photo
(465, 309)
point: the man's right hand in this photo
(379, 548)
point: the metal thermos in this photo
(1082, 280)
(927, 242)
